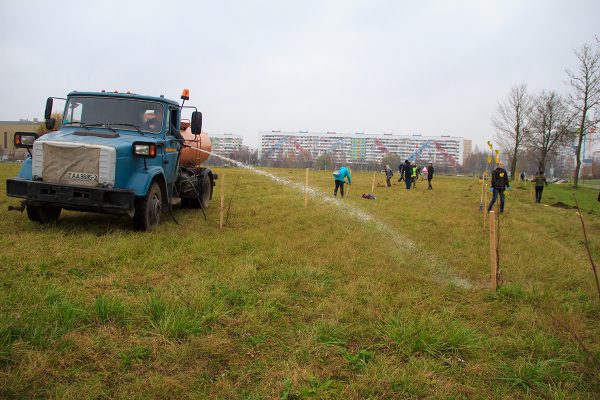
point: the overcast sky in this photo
(402, 67)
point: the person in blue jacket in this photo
(339, 176)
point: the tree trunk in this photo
(513, 163)
(542, 166)
(578, 154)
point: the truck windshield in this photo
(110, 112)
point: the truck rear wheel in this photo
(204, 194)
(205, 191)
(43, 214)
(148, 209)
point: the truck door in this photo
(172, 146)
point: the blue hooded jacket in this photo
(344, 172)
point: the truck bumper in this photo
(79, 198)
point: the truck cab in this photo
(114, 153)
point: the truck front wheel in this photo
(43, 214)
(148, 209)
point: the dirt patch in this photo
(560, 204)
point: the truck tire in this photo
(204, 194)
(205, 191)
(33, 213)
(148, 209)
(43, 214)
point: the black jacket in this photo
(500, 179)
(430, 172)
(407, 170)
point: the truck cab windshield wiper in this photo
(83, 125)
(87, 126)
(137, 127)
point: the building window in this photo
(6, 140)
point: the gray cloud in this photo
(431, 67)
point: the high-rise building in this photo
(356, 148)
(226, 143)
(468, 146)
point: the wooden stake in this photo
(306, 190)
(531, 191)
(348, 186)
(482, 189)
(493, 251)
(485, 205)
(373, 184)
(222, 200)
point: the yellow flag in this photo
(489, 159)
(497, 151)
(497, 160)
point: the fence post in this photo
(373, 184)
(306, 190)
(222, 201)
(485, 205)
(493, 251)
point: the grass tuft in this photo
(357, 361)
(110, 309)
(136, 355)
(433, 336)
(529, 375)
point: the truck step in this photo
(175, 201)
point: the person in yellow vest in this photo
(413, 175)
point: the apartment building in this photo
(226, 143)
(361, 147)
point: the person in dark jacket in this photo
(400, 168)
(406, 173)
(388, 175)
(429, 175)
(499, 184)
(540, 181)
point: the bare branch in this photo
(511, 121)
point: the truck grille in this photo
(74, 163)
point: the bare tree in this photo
(550, 126)
(585, 96)
(511, 120)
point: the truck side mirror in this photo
(196, 122)
(50, 122)
(48, 111)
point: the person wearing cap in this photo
(154, 124)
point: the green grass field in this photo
(292, 302)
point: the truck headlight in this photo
(144, 149)
(24, 140)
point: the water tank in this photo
(190, 155)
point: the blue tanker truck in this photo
(115, 153)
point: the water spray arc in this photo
(362, 216)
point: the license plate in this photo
(82, 176)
